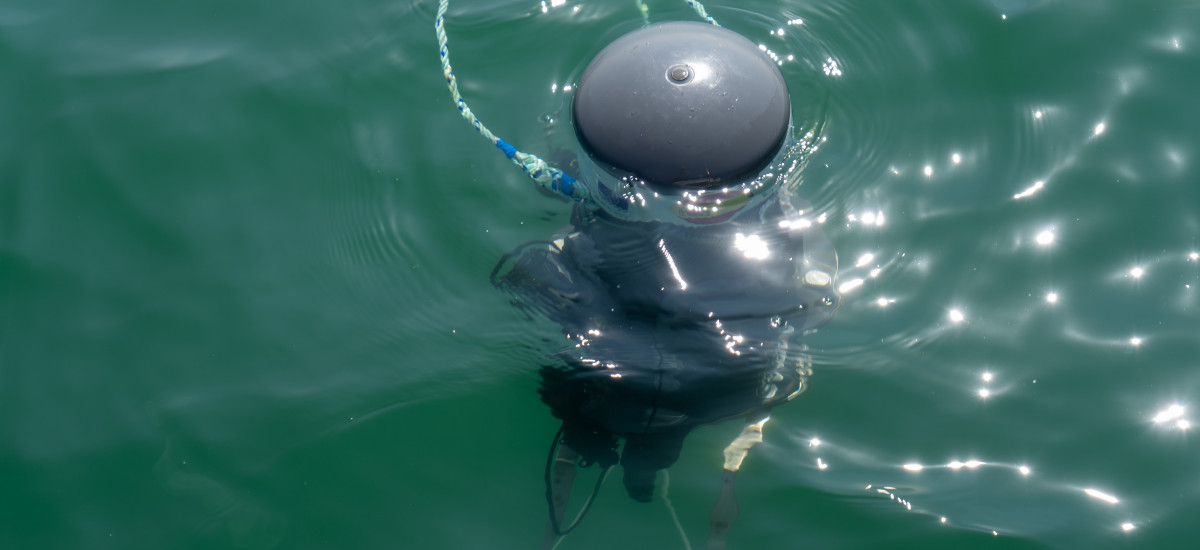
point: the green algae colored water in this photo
(245, 248)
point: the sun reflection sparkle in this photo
(1045, 237)
(1052, 297)
(1136, 272)
(1173, 412)
(662, 245)
(892, 496)
(972, 464)
(957, 316)
(552, 4)
(867, 218)
(1029, 191)
(1100, 495)
(831, 67)
(958, 471)
(752, 246)
(795, 224)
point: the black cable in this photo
(554, 519)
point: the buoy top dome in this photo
(682, 104)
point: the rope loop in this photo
(537, 169)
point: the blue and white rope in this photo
(543, 174)
(700, 11)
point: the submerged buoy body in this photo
(682, 104)
(680, 282)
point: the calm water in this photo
(245, 246)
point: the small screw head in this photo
(679, 73)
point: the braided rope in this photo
(700, 11)
(645, 11)
(641, 5)
(543, 174)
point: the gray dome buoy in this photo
(682, 104)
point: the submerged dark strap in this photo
(554, 519)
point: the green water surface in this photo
(245, 247)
